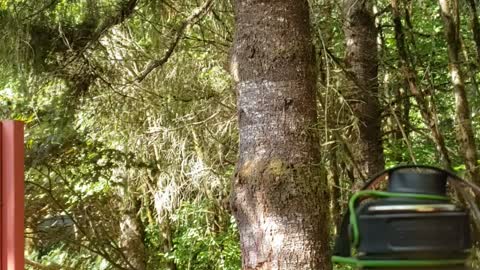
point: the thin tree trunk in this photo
(330, 114)
(131, 239)
(362, 63)
(325, 34)
(475, 24)
(278, 198)
(428, 115)
(470, 72)
(168, 245)
(474, 67)
(337, 204)
(465, 135)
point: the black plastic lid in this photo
(421, 181)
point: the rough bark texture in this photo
(475, 24)
(465, 135)
(429, 115)
(132, 237)
(278, 199)
(336, 191)
(362, 64)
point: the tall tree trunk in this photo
(362, 63)
(465, 135)
(475, 24)
(131, 239)
(429, 115)
(336, 197)
(278, 199)
(474, 67)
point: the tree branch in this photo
(196, 15)
(124, 13)
(40, 266)
(386, 9)
(47, 6)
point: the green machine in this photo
(409, 217)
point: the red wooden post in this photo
(12, 196)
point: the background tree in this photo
(361, 61)
(465, 136)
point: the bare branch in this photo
(196, 15)
(39, 266)
(47, 6)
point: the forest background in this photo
(132, 133)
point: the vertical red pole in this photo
(12, 196)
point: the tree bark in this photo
(429, 115)
(336, 189)
(475, 24)
(465, 135)
(131, 238)
(278, 198)
(362, 63)
(474, 66)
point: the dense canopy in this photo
(132, 134)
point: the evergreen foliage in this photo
(131, 123)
